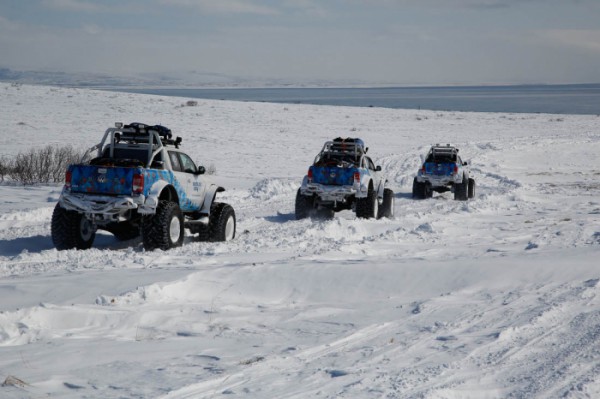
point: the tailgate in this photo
(333, 175)
(102, 179)
(439, 169)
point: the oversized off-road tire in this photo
(124, 231)
(387, 207)
(421, 190)
(368, 207)
(305, 205)
(164, 229)
(71, 230)
(471, 190)
(222, 222)
(461, 190)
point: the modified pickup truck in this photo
(139, 183)
(442, 171)
(344, 177)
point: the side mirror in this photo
(201, 170)
(378, 168)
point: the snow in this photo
(491, 298)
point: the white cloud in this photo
(223, 6)
(586, 39)
(72, 5)
(308, 7)
(92, 29)
(6, 24)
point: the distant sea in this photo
(554, 99)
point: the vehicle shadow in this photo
(39, 243)
(281, 217)
(404, 195)
(33, 244)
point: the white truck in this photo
(443, 170)
(139, 183)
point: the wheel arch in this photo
(365, 181)
(209, 198)
(160, 190)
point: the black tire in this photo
(222, 222)
(415, 189)
(461, 190)
(124, 231)
(368, 207)
(305, 205)
(387, 207)
(428, 190)
(71, 230)
(421, 190)
(471, 193)
(164, 229)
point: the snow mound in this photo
(270, 188)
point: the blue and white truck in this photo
(139, 183)
(443, 170)
(344, 177)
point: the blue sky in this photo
(410, 42)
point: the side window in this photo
(187, 165)
(175, 161)
(370, 164)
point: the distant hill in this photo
(191, 79)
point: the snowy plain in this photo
(496, 297)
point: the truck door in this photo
(375, 174)
(191, 192)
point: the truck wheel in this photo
(71, 230)
(471, 188)
(428, 190)
(222, 222)
(421, 190)
(387, 208)
(368, 207)
(304, 205)
(461, 190)
(416, 189)
(164, 229)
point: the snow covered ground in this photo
(492, 298)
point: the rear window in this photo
(131, 153)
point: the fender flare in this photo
(304, 183)
(209, 198)
(154, 194)
(365, 180)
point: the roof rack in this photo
(447, 149)
(349, 145)
(140, 133)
